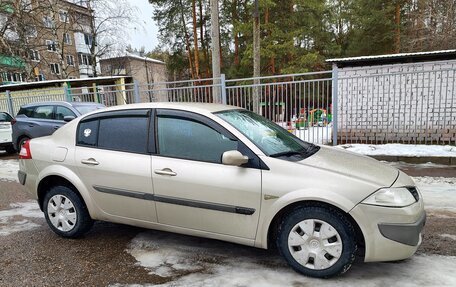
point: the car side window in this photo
(62, 112)
(188, 139)
(26, 111)
(129, 134)
(44, 112)
(126, 131)
(88, 133)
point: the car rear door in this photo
(113, 160)
(42, 122)
(193, 189)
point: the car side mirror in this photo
(68, 118)
(233, 157)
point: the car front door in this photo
(113, 160)
(193, 189)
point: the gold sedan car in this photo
(226, 173)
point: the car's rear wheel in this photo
(317, 241)
(66, 213)
(21, 143)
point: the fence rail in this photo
(328, 107)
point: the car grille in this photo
(414, 192)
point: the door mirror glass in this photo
(234, 157)
(68, 118)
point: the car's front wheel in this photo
(66, 213)
(317, 241)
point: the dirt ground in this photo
(38, 257)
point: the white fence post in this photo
(223, 88)
(335, 89)
(9, 103)
(136, 92)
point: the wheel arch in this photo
(277, 219)
(54, 175)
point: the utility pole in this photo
(215, 34)
(256, 58)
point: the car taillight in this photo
(13, 121)
(25, 152)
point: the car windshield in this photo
(4, 117)
(87, 108)
(272, 139)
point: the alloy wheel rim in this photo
(315, 244)
(62, 213)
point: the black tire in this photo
(83, 221)
(10, 149)
(335, 219)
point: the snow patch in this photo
(8, 170)
(195, 262)
(438, 192)
(450, 236)
(15, 219)
(402, 150)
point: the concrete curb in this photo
(412, 159)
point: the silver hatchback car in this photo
(223, 172)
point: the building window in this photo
(88, 39)
(67, 38)
(12, 77)
(40, 77)
(26, 5)
(31, 31)
(63, 16)
(70, 60)
(55, 68)
(48, 22)
(51, 45)
(85, 59)
(34, 55)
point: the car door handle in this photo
(90, 161)
(31, 125)
(165, 171)
(56, 127)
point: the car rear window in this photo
(4, 117)
(26, 111)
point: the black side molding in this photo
(176, 201)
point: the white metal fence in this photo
(327, 107)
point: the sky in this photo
(147, 35)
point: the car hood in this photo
(352, 165)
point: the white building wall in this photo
(407, 103)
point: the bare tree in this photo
(107, 28)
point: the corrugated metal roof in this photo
(394, 58)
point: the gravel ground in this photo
(35, 256)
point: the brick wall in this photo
(405, 103)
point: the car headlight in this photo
(392, 197)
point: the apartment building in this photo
(45, 40)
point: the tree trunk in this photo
(397, 38)
(256, 58)
(195, 37)
(187, 41)
(203, 41)
(236, 34)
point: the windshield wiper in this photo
(287, 153)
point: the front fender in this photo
(70, 175)
(270, 208)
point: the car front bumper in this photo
(390, 233)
